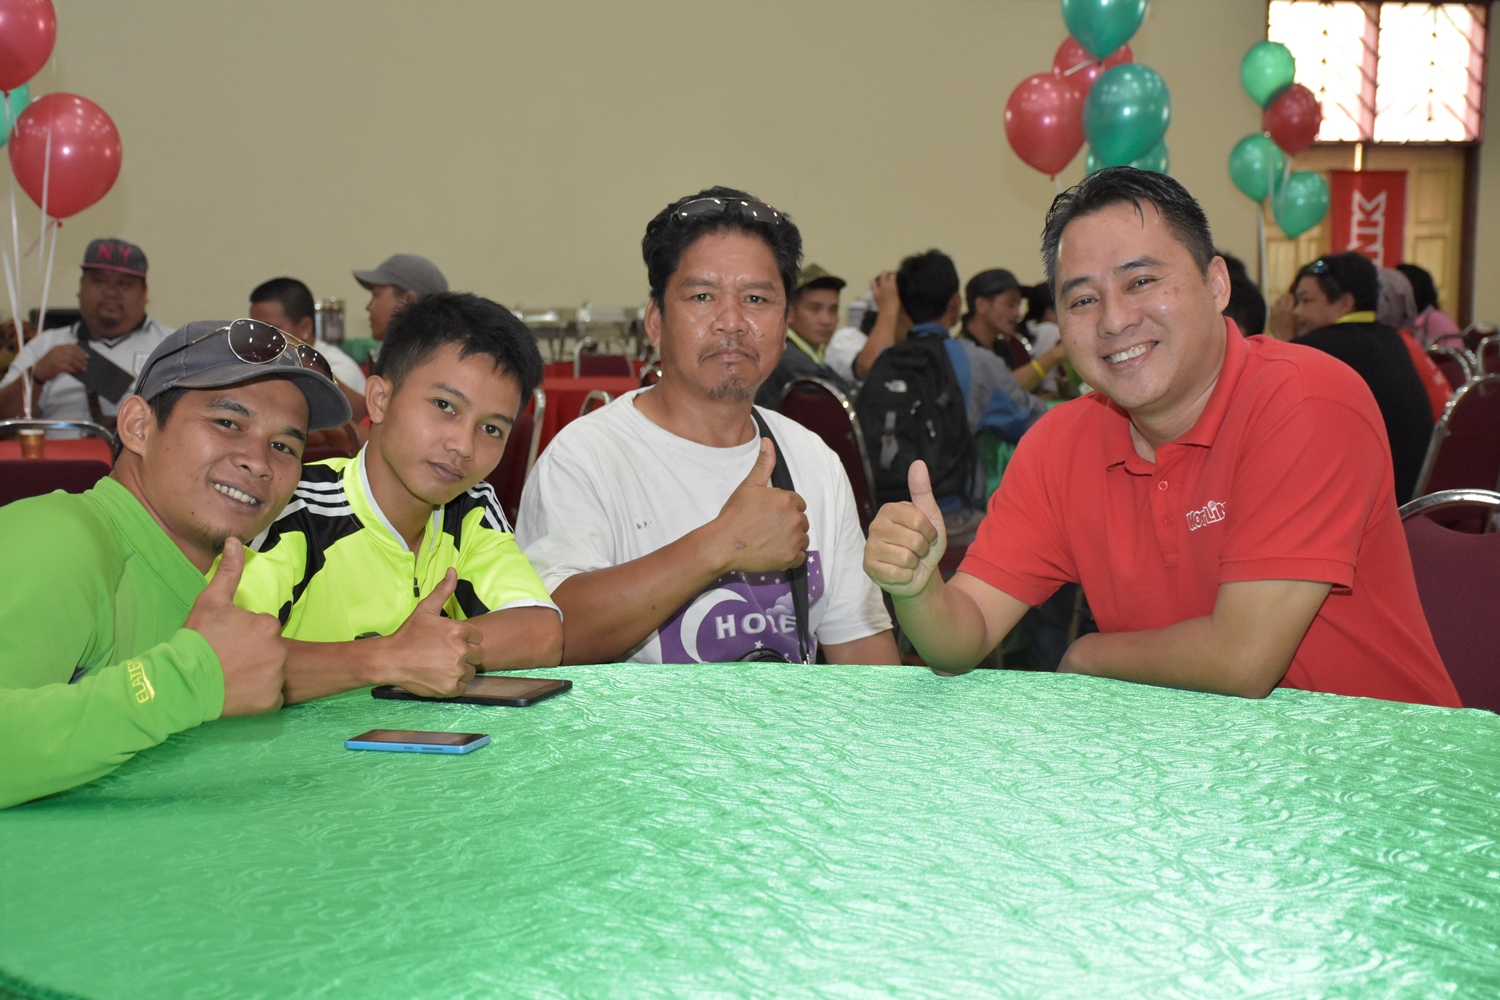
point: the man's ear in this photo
(306, 330)
(653, 322)
(409, 296)
(1345, 304)
(378, 392)
(134, 424)
(1218, 282)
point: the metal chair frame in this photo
(595, 396)
(1464, 359)
(538, 411)
(86, 426)
(1448, 499)
(1488, 343)
(859, 434)
(1440, 431)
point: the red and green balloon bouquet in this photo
(1290, 120)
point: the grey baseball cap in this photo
(198, 356)
(408, 271)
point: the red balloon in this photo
(1075, 64)
(28, 29)
(85, 153)
(1044, 122)
(1293, 119)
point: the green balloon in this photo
(1300, 203)
(1101, 26)
(1158, 160)
(1267, 70)
(15, 102)
(1126, 113)
(1256, 165)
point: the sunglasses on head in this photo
(255, 343)
(700, 207)
(1319, 266)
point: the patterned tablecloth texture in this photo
(766, 830)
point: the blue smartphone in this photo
(413, 741)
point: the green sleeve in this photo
(57, 736)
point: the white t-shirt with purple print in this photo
(614, 486)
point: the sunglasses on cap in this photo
(255, 343)
(700, 207)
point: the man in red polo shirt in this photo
(1227, 503)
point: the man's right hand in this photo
(883, 291)
(64, 359)
(248, 645)
(763, 528)
(907, 540)
(430, 655)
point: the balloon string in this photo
(41, 318)
(12, 262)
(1081, 66)
(46, 181)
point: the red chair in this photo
(1488, 354)
(1465, 449)
(1458, 580)
(587, 363)
(822, 408)
(1453, 363)
(30, 477)
(509, 477)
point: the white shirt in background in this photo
(64, 397)
(345, 368)
(843, 348)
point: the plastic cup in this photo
(33, 443)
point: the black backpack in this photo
(911, 407)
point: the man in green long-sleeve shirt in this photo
(109, 640)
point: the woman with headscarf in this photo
(1431, 325)
(1397, 307)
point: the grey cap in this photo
(408, 271)
(193, 358)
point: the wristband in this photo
(1039, 369)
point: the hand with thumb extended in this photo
(430, 655)
(248, 645)
(765, 464)
(907, 540)
(761, 529)
(433, 603)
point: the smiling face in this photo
(1141, 323)
(722, 325)
(441, 431)
(1312, 310)
(224, 464)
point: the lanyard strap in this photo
(781, 478)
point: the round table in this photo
(779, 831)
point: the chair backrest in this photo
(1488, 353)
(1458, 580)
(590, 364)
(651, 374)
(1474, 334)
(1464, 452)
(30, 477)
(1453, 363)
(509, 477)
(346, 447)
(595, 399)
(84, 426)
(822, 408)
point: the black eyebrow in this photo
(445, 387)
(235, 406)
(1138, 263)
(1068, 286)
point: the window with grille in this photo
(1389, 72)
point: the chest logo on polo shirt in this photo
(1210, 513)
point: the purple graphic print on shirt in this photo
(737, 614)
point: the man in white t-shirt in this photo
(654, 521)
(83, 371)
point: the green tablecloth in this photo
(775, 831)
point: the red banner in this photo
(1367, 209)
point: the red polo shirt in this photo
(1285, 476)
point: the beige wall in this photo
(523, 146)
(1487, 225)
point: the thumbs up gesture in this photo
(430, 655)
(762, 529)
(248, 645)
(907, 540)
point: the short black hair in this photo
(1345, 273)
(1113, 185)
(162, 406)
(295, 298)
(477, 325)
(1247, 307)
(926, 283)
(1423, 288)
(1038, 300)
(668, 237)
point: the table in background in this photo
(565, 396)
(71, 448)
(775, 831)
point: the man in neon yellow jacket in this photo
(109, 641)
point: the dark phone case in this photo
(393, 693)
(104, 378)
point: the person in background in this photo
(1398, 309)
(851, 351)
(1432, 327)
(654, 519)
(115, 335)
(812, 319)
(993, 321)
(288, 305)
(400, 280)
(1247, 307)
(1332, 307)
(1210, 495)
(109, 640)
(1040, 323)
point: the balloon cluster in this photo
(64, 149)
(1095, 91)
(1258, 165)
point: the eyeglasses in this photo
(255, 343)
(700, 207)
